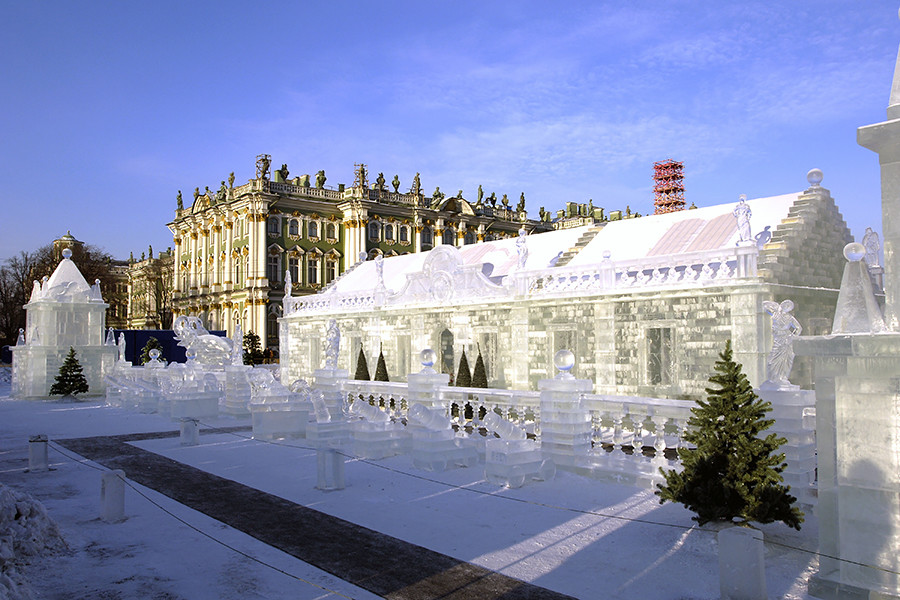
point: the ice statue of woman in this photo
(121, 345)
(742, 213)
(784, 329)
(522, 248)
(872, 245)
(332, 344)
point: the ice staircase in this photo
(583, 241)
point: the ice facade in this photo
(623, 302)
(63, 312)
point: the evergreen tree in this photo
(463, 374)
(479, 375)
(732, 473)
(70, 380)
(150, 345)
(381, 373)
(362, 368)
(252, 349)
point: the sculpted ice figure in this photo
(121, 346)
(237, 345)
(379, 271)
(287, 284)
(332, 344)
(872, 244)
(110, 337)
(784, 329)
(210, 350)
(522, 248)
(742, 213)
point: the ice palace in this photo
(595, 367)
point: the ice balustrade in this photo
(673, 270)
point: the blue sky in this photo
(110, 108)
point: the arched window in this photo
(312, 269)
(294, 268)
(330, 269)
(470, 238)
(274, 226)
(404, 233)
(426, 237)
(273, 268)
(238, 272)
(374, 231)
(389, 232)
(330, 231)
(293, 228)
(449, 236)
(313, 229)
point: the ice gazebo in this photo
(63, 312)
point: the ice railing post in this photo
(565, 425)
(423, 386)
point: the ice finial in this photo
(95, 291)
(564, 360)
(854, 252)
(110, 337)
(20, 341)
(67, 253)
(362, 256)
(427, 357)
(814, 177)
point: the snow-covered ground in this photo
(573, 535)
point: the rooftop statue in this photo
(493, 199)
(436, 197)
(521, 206)
(396, 184)
(222, 194)
(416, 185)
(284, 172)
(379, 182)
(320, 179)
(262, 166)
(304, 180)
(742, 213)
(231, 180)
(781, 359)
(180, 202)
(872, 244)
(196, 193)
(505, 201)
(480, 194)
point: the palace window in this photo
(313, 229)
(470, 238)
(426, 238)
(294, 268)
(312, 270)
(389, 232)
(271, 329)
(404, 233)
(449, 236)
(238, 272)
(330, 231)
(374, 231)
(660, 356)
(273, 268)
(330, 269)
(274, 226)
(294, 228)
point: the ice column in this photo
(37, 454)
(112, 496)
(565, 423)
(423, 385)
(742, 568)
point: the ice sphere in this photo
(502, 427)
(154, 354)
(854, 251)
(428, 357)
(814, 177)
(564, 360)
(429, 419)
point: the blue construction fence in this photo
(136, 339)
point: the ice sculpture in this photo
(522, 248)
(742, 213)
(110, 337)
(872, 245)
(513, 458)
(237, 346)
(277, 412)
(781, 359)
(857, 309)
(375, 436)
(332, 344)
(121, 348)
(435, 446)
(211, 350)
(565, 423)
(189, 392)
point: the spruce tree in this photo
(70, 380)
(150, 345)
(733, 473)
(479, 375)
(463, 374)
(252, 349)
(381, 373)
(362, 368)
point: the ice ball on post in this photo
(564, 360)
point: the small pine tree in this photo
(732, 473)
(70, 380)
(381, 373)
(362, 367)
(463, 374)
(479, 375)
(252, 349)
(151, 344)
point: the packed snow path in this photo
(382, 564)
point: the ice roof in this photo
(697, 230)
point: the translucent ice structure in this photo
(857, 310)
(513, 459)
(435, 446)
(211, 350)
(197, 396)
(374, 435)
(276, 411)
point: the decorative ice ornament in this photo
(428, 357)
(564, 360)
(67, 253)
(814, 177)
(857, 309)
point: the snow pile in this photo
(26, 530)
